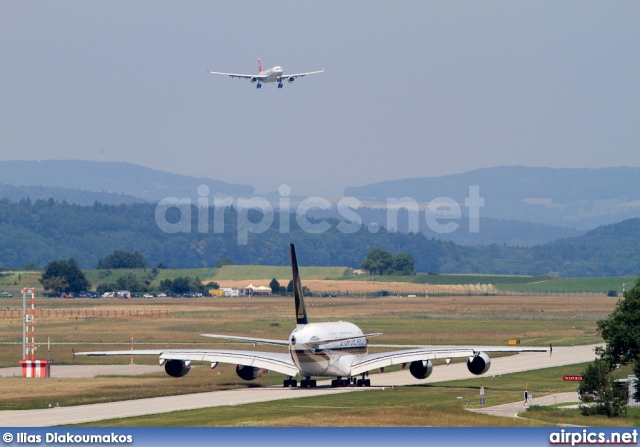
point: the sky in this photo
(411, 88)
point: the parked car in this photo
(5, 295)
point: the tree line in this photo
(599, 391)
(35, 233)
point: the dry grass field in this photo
(105, 324)
(342, 287)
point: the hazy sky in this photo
(411, 89)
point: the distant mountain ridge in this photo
(491, 231)
(44, 230)
(523, 206)
(74, 196)
(112, 177)
(568, 197)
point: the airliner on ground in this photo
(274, 74)
(332, 349)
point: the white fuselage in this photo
(272, 75)
(332, 358)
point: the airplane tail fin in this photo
(301, 310)
(260, 65)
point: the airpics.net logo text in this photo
(440, 214)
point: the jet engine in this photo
(421, 369)
(249, 372)
(291, 79)
(177, 368)
(254, 80)
(479, 364)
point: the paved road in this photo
(456, 371)
(512, 409)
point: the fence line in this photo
(463, 292)
(11, 314)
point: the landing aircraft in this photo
(274, 74)
(331, 349)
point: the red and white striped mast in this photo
(29, 318)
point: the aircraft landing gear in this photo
(363, 381)
(291, 382)
(340, 382)
(259, 85)
(307, 383)
(279, 84)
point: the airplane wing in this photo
(300, 75)
(242, 76)
(272, 361)
(265, 341)
(367, 362)
(269, 341)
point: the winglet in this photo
(550, 350)
(301, 311)
(260, 65)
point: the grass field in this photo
(574, 284)
(534, 320)
(441, 405)
(513, 283)
(341, 280)
(96, 277)
(267, 272)
(447, 279)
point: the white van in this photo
(231, 292)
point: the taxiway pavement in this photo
(455, 371)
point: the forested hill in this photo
(570, 197)
(43, 231)
(112, 177)
(70, 195)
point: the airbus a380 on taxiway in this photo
(274, 74)
(332, 349)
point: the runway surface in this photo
(456, 371)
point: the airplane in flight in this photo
(329, 349)
(274, 74)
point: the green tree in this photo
(621, 333)
(122, 260)
(166, 285)
(58, 284)
(224, 261)
(290, 286)
(599, 390)
(378, 261)
(182, 285)
(403, 264)
(621, 329)
(275, 287)
(130, 282)
(64, 277)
